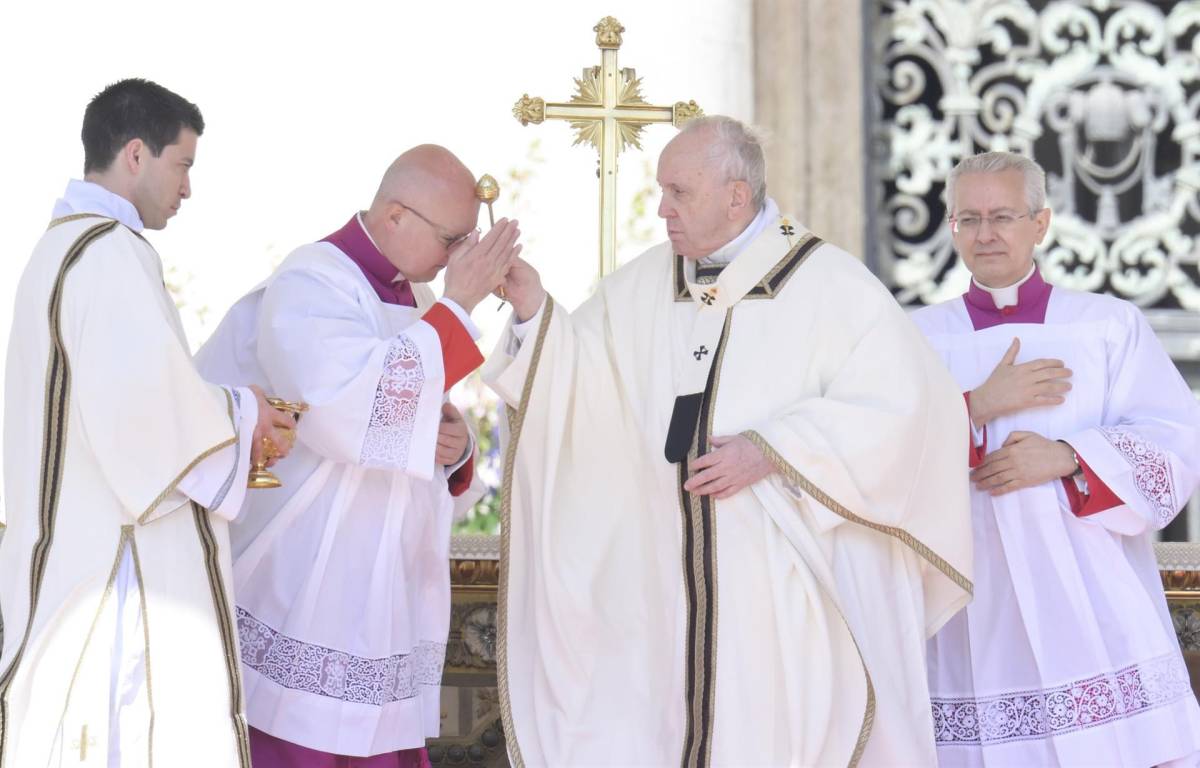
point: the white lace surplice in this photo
(341, 576)
(1067, 655)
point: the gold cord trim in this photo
(75, 217)
(827, 501)
(126, 535)
(137, 569)
(225, 626)
(516, 420)
(55, 410)
(186, 470)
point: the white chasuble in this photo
(785, 625)
(119, 642)
(1068, 655)
(342, 575)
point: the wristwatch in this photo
(1075, 458)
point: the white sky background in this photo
(306, 104)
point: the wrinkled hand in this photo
(1013, 388)
(274, 434)
(477, 266)
(1026, 459)
(523, 287)
(736, 463)
(452, 436)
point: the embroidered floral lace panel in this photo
(1151, 470)
(1075, 706)
(390, 430)
(324, 671)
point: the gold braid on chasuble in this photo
(688, 438)
(516, 421)
(54, 431)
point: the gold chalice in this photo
(260, 476)
(487, 191)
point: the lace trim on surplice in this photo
(390, 430)
(1034, 714)
(1151, 470)
(315, 669)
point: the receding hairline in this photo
(425, 167)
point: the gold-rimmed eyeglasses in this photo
(447, 240)
(970, 223)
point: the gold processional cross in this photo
(608, 112)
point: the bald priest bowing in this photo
(737, 499)
(342, 576)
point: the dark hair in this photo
(134, 109)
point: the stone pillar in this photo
(808, 97)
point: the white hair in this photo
(999, 162)
(737, 152)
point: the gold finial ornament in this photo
(487, 191)
(529, 110)
(608, 112)
(684, 111)
(260, 476)
(608, 33)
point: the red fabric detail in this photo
(460, 481)
(267, 751)
(1098, 498)
(975, 453)
(1006, 311)
(460, 356)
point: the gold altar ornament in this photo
(487, 190)
(608, 112)
(260, 476)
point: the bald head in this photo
(427, 172)
(426, 199)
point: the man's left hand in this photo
(1026, 459)
(734, 464)
(452, 436)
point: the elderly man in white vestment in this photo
(122, 467)
(1086, 442)
(342, 577)
(737, 504)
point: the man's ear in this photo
(739, 199)
(1042, 220)
(133, 155)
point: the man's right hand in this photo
(523, 287)
(275, 426)
(1013, 388)
(479, 265)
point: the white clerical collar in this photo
(89, 197)
(399, 278)
(726, 253)
(1006, 296)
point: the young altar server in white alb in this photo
(342, 576)
(738, 502)
(122, 467)
(1087, 441)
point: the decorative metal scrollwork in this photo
(1105, 94)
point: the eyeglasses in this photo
(1001, 222)
(447, 240)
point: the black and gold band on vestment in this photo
(225, 624)
(516, 421)
(766, 288)
(700, 582)
(54, 430)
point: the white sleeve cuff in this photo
(462, 316)
(521, 330)
(976, 432)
